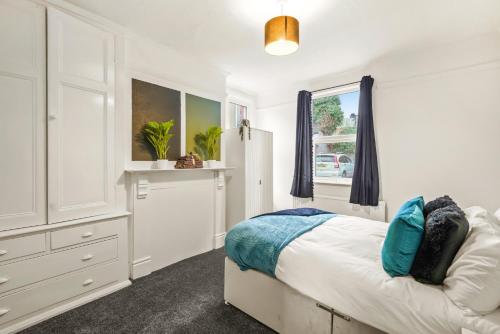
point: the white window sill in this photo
(336, 181)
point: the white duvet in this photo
(338, 264)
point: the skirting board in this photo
(219, 240)
(144, 266)
(52, 312)
(282, 308)
(141, 267)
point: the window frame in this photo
(334, 138)
(235, 116)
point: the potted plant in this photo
(206, 144)
(157, 134)
(245, 123)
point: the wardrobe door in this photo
(235, 179)
(266, 159)
(250, 178)
(80, 111)
(254, 172)
(22, 114)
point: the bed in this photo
(330, 280)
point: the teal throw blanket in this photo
(257, 243)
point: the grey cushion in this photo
(445, 230)
(438, 203)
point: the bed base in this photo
(282, 308)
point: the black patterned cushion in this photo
(438, 203)
(445, 230)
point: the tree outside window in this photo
(334, 135)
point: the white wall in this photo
(148, 57)
(437, 122)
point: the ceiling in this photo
(336, 35)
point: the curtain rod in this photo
(327, 88)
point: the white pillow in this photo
(473, 279)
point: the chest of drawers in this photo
(46, 272)
(22, 246)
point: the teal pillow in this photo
(418, 201)
(403, 238)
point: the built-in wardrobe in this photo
(249, 187)
(62, 241)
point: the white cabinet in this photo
(49, 277)
(22, 114)
(78, 64)
(57, 110)
(249, 189)
(80, 111)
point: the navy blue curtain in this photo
(365, 182)
(303, 178)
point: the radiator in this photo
(341, 205)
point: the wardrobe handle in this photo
(87, 257)
(4, 311)
(3, 280)
(3, 252)
(88, 282)
(87, 234)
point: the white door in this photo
(80, 110)
(22, 114)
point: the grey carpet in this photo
(186, 297)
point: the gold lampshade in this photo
(282, 35)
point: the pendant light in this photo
(282, 34)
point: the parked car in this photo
(334, 164)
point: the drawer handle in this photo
(4, 311)
(3, 280)
(3, 252)
(87, 257)
(88, 282)
(87, 234)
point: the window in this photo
(335, 116)
(237, 112)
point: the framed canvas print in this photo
(201, 115)
(152, 102)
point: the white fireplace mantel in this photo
(176, 214)
(177, 170)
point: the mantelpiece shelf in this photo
(149, 170)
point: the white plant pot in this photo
(162, 164)
(212, 163)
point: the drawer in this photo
(22, 273)
(28, 301)
(22, 246)
(83, 233)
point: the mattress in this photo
(338, 264)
